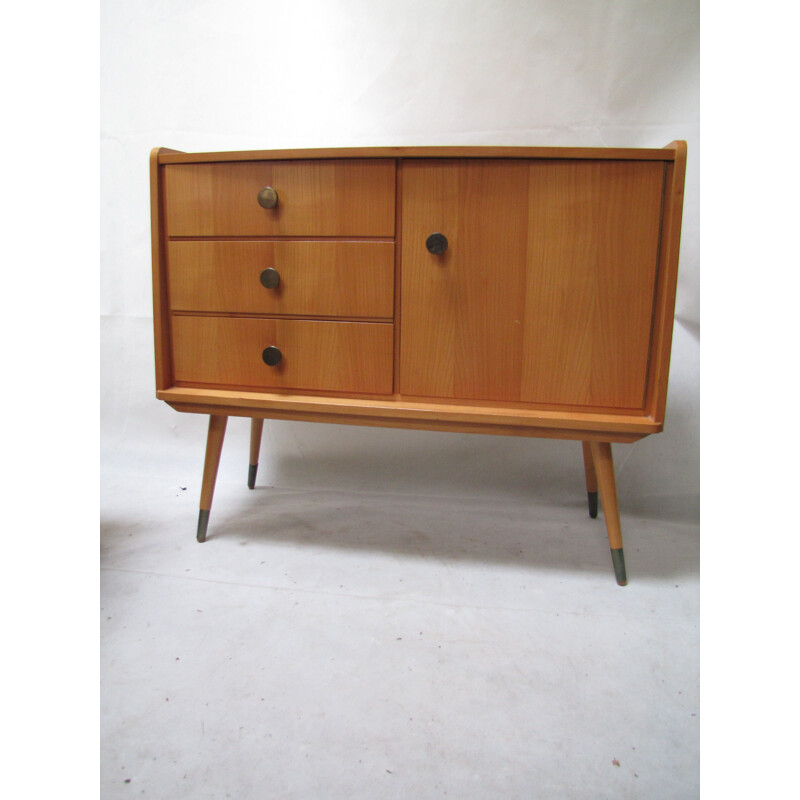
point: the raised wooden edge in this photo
(663, 321)
(425, 425)
(160, 302)
(398, 272)
(624, 153)
(433, 416)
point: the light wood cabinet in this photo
(515, 291)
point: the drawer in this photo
(322, 278)
(336, 197)
(316, 354)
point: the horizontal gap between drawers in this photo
(247, 315)
(289, 392)
(272, 238)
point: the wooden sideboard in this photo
(523, 291)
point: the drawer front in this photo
(336, 197)
(315, 354)
(323, 278)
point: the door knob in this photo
(272, 356)
(270, 278)
(268, 197)
(436, 243)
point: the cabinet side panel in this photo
(663, 319)
(398, 257)
(163, 359)
(592, 253)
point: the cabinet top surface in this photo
(667, 153)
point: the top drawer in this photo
(336, 197)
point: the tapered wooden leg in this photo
(591, 478)
(604, 470)
(256, 426)
(216, 435)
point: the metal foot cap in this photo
(592, 504)
(618, 560)
(251, 476)
(202, 525)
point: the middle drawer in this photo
(311, 278)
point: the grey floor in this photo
(331, 643)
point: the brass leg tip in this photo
(251, 476)
(592, 504)
(202, 525)
(618, 560)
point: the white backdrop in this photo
(242, 74)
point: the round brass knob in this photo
(272, 356)
(436, 243)
(270, 278)
(268, 197)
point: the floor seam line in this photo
(323, 593)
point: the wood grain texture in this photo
(317, 278)
(322, 355)
(256, 429)
(565, 413)
(315, 198)
(460, 335)
(661, 348)
(464, 151)
(402, 424)
(161, 333)
(588, 467)
(593, 231)
(585, 422)
(606, 483)
(216, 435)
(549, 315)
(398, 250)
(545, 292)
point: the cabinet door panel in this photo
(545, 294)
(462, 311)
(592, 253)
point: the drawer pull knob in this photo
(436, 243)
(268, 197)
(272, 356)
(270, 278)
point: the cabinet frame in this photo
(430, 414)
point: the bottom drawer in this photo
(314, 354)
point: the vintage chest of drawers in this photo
(502, 290)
